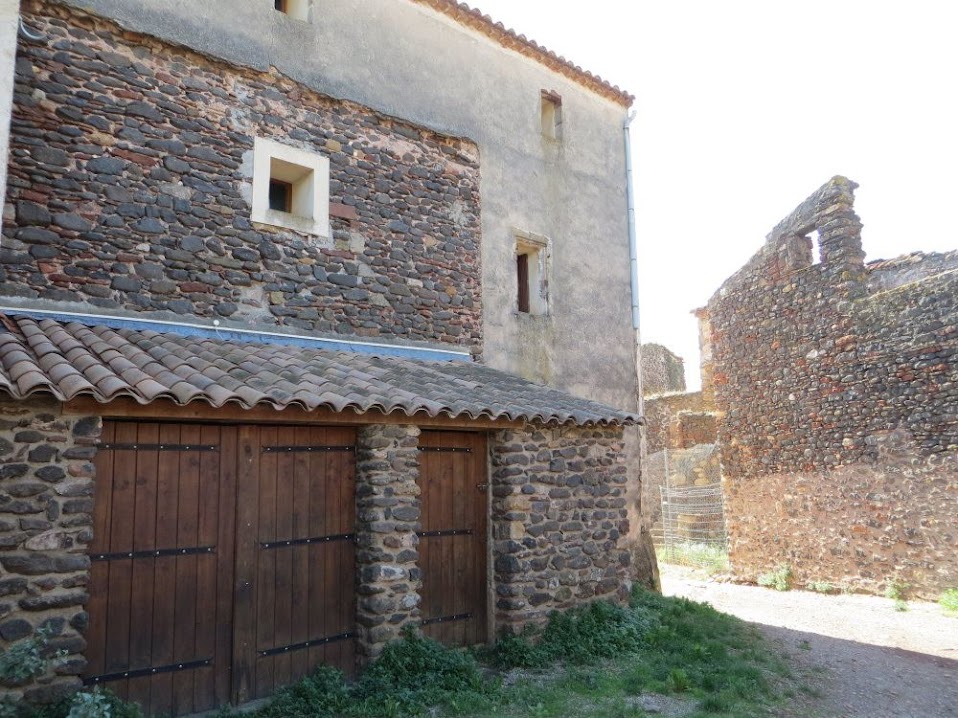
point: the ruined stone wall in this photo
(130, 182)
(664, 417)
(857, 526)
(559, 520)
(46, 506)
(812, 362)
(662, 371)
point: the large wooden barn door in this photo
(452, 543)
(222, 563)
(295, 596)
(161, 565)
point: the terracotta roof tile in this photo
(70, 359)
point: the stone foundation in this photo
(46, 505)
(559, 520)
(387, 512)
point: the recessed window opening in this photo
(296, 9)
(532, 272)
(522, 275)
(551, 114)
(816, 246)
(290, 187)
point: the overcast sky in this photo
(745, 107)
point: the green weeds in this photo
(779, 578)
(949, 601)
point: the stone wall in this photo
(664, 415)
(662, 371)
(815, 360)
(559, 520)
(387, 512)
(857, 526)
(46, 505)
(130, 182)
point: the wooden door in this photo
(295, 556)
(222, 566)
(161, 565)
(452, 543)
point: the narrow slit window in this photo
(280, 5)
(551, 115)
(296, 9)
(522, 277)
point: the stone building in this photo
(837, 382)
(292, 354)
(662, 371)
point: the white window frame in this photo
(306, 171)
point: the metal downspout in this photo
(633, 262)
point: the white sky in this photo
(745, 107)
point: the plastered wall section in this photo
(407, 61)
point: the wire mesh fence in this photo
(692, 513)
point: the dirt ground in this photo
(861, 657)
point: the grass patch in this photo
(821, 586)
(713, 559)
(779, 578)
(596, 661)
(949, 601)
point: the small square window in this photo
(551, 115)
(532, 274)
(290, 188)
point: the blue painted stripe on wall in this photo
(249, 337)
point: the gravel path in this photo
(864, 658)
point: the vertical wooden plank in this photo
(447, 589)
(229, 459)
(100, 570)
(245, 593)
(266, 573)
(319, 577)
(144, 539)
(299, 594)
(335, 552)
(462, 591)
(204, 680)
(117, 656)
(164, 569)
(187, 594)
(283, 591)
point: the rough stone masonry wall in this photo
(46, 505)
(662, 371)
(130, 182)
(811, 369)
(559, 520)
(387, 546)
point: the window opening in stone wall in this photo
(551, 115)
(816, 246)
(532, 274)
(290, 187)
(280, 195)
(296, 9)
(522, 275)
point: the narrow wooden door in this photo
(452, 543)
(295, 605)
(161, 565)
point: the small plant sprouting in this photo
(820, 586)
(780, 578)
(949, 601)
(897, 591)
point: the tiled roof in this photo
(508, 38)
(71, 359)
